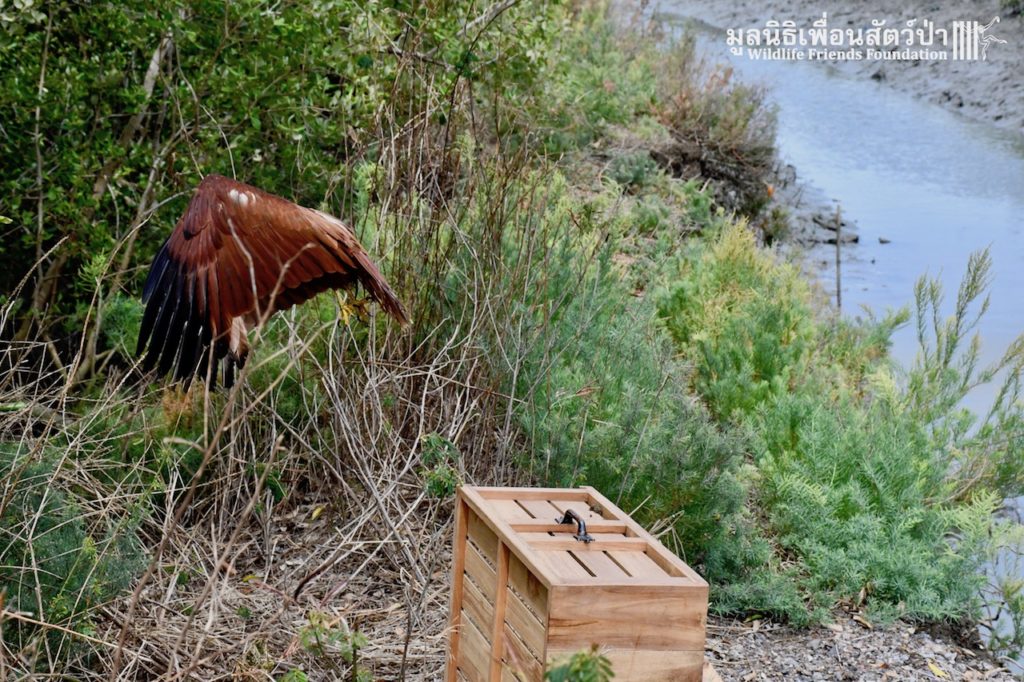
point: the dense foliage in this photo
(105, 130)
(853, 460)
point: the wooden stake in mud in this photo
(839, 260)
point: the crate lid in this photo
(542, 527)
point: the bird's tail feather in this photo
(380, 290)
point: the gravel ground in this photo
(846, 650)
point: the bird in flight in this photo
(237, 256)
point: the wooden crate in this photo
(527, 593)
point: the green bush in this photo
(875, 489)
(56, 564)
(440, 466)
(982, 449)
(592, 84)
(632, 171)
(123, 317)
(285, 98)
(329, 640)
(610, 409)
(853, 493)
(583, 666)
(744, 319)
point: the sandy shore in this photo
(991, 90)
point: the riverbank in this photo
(849, 648)
(991, 90)
(575, 218)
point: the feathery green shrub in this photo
(876, 489)
(608, 407)
(583, 666)
(744, 319)
(56, 563)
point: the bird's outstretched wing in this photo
(238, 255)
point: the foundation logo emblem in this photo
(970, 40)
(904, 40)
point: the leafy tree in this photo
(112, 111)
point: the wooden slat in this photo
(565, 567)
(518, 657)
(500, 526)
(458, 566)
(531, 536)
(474, 652)
(499, 611)
(542, 542)
(638, 564)
(483, 537)
(631, 616)
(624, 582)
(477, 606)
(656, 551)
(528, 586)
(583, 508)
(542, 510)
(593, 527)
(530, 628)
(563, 498)
(480, 573)
(665, 563)
(571, 572)
(489, 493)
(601, 566)
(647, 665)
(509, 510)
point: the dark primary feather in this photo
(239, 252)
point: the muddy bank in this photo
(813, 218)
(991, 90)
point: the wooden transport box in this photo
(527, 592)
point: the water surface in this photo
(934, 184)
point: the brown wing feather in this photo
(241, 252)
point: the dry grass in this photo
(292, 506)
(723, 130)
(236, 578)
